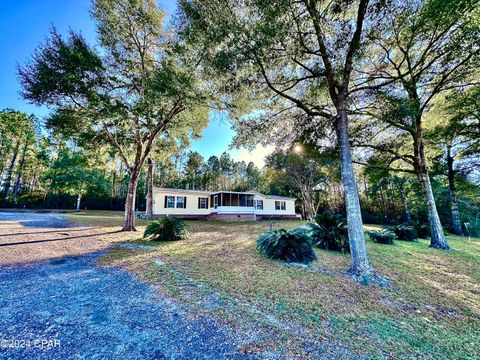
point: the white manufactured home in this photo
(221, 205)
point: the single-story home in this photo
(221, 205)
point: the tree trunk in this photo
(5, 152)
(79, 199)
(384, 204)
(16, 186)
(437, 237)
(307, 204)
(408, 217)
(309, 212)
(8, 178)
(129, 217)
(2, 169)
(406, 205)
(150, 190)
(361, 269)
(457, 226)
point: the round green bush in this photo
(382, 236)
(405, 232)
(423, 230)
(330, 232)
(289, 246)
(166, 229)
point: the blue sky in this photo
(25, 23)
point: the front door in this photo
(215, 201)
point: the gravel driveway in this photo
(29, 237)
(67, 307)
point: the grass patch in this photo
(101, 218)
(431, 311)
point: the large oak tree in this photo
(135, 89)
(424, 49)
(287, 65)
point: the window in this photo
(259, 204)
(181, 202)
(169, 201)
(280, 205)
(226, 197)
(202, 203)
(234, 199)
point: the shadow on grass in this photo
(61, 230)
(61, 239)
(46, 223)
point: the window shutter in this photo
(165, 201)
(184, 202)
(199, 203)
(207, 202)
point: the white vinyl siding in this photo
(190, 203)
(193, 205)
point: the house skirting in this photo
(183, 216)
(277, 217)
(230, 217)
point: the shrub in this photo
(289, 246)
(329, 232)
(404, 232)
(423, 230)
(382, 236)
(166, 229)
(471, 228)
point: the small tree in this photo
(193, 170)
(73, 173)
(301, 172)
(137, 90)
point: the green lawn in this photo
(102, 218)
(431, 310)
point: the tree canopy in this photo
(137, 90)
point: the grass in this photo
(431, 311)
(101, 218)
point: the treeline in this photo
(41, 170)
(189, 170)
(19, 154)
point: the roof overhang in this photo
(207, 193)
(180, 191)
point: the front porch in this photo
(231, 201)
(232, 206)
